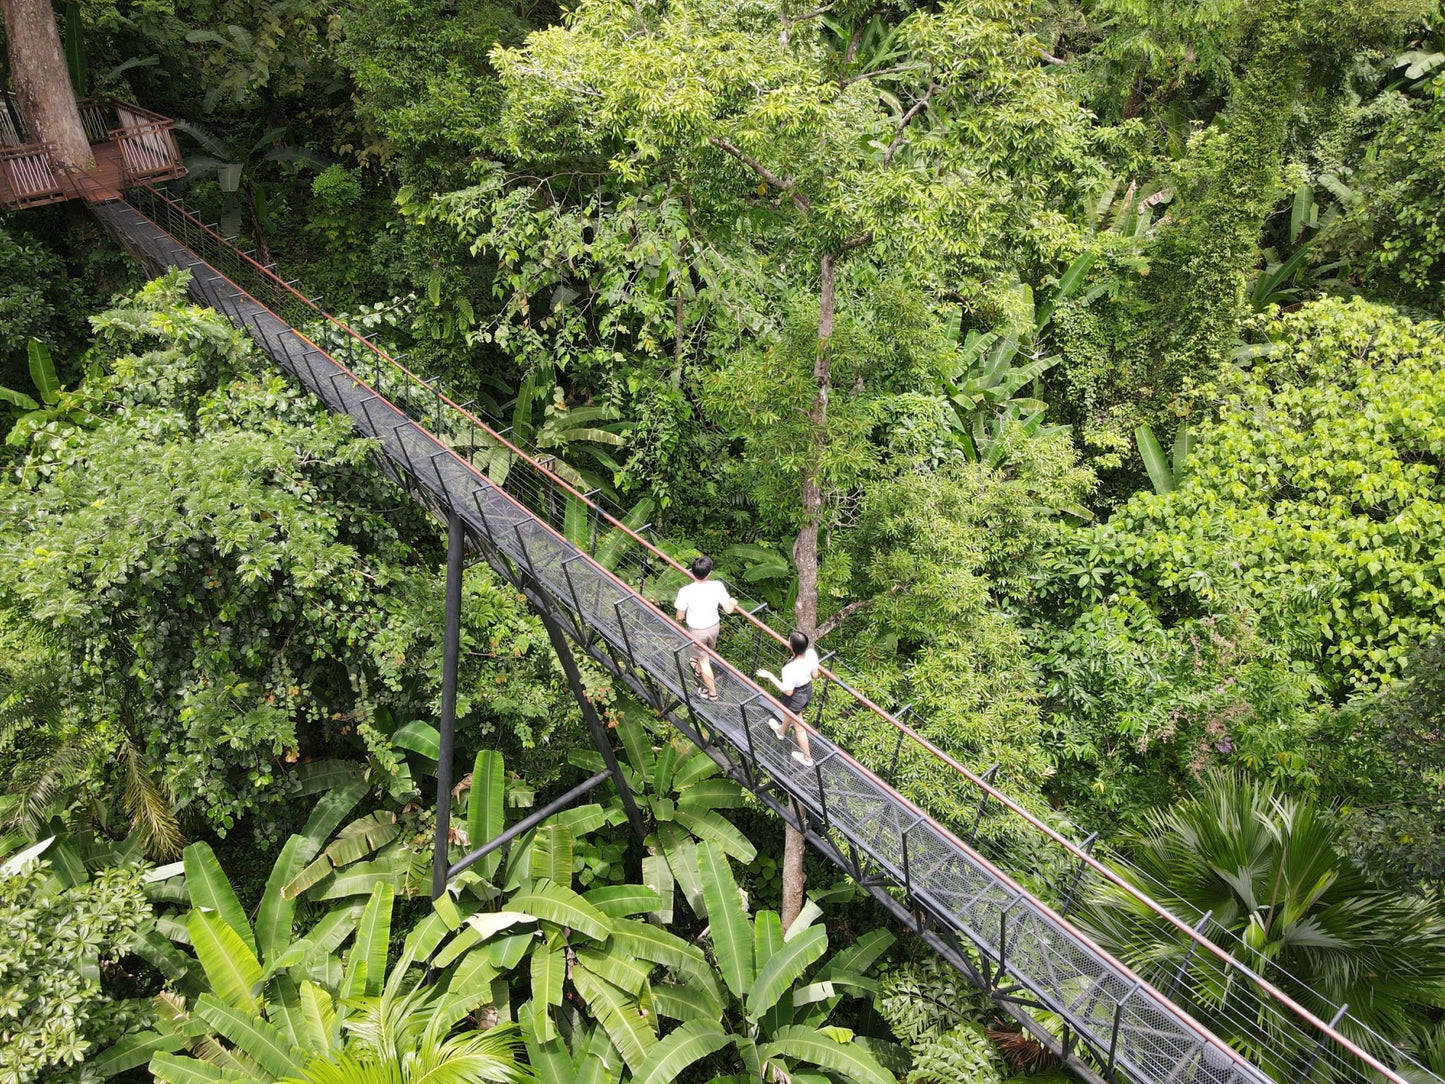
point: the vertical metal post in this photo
(1086, 847)
(1309, 1066)
(982, 802)
(451, 654)
(594, 724)
(1199, 927)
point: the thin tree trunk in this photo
(42, 83)
(805, 549)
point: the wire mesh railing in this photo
(598, 566)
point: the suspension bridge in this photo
(991, 895)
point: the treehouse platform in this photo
(131, 145)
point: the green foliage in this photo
(938, 1014)
(1394, 233)
(1292, 563)
(1380, 758)
(59, 929)
(264, 600)
(1270, 870)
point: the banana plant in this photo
(52, 405)
(772, 1023)
(1165, 473)
(562, 434)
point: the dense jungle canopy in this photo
(1074, 370)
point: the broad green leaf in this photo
(552, 854)
(130, 1052)
(807, 915)
(657, 875)
(319, 1017)
(420, 737)
(685, 1002)
(210, 891)
(731, 935)
(697, 767)
(251, 1035)
(485, 809)
(283, 1007)
(276, 914)
(858, 956)
(816, 1048)
(177, 1069)
(490, 923)
(619, 901)
(613, 543)
(717, 828)
(1154, 460)
(685, 1046)
(618, 969)
(42, 372)
(619, 1015)
(767, 936)
(681, 852)
(552, 902)
(637, 742)
(786, 967)
(549, 967)
(366, 964)
(711, 794)
(18, 398)
(230, 965)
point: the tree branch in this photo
(864, 238)
(878, 74)
(782, 184)
(1049, 58)
(852, 608)
(907, 119)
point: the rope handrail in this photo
(1324, 1028)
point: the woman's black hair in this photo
(798, 641)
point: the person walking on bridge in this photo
(795, 689)
(698, 604)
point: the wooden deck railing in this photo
(131, 144)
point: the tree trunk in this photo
(805, 549)
(42, 83)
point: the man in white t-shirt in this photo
(698, 604)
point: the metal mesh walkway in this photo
(1108, 1022)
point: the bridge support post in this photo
(451, 655)
(594, 724)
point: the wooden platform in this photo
(141, 152)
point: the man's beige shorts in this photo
(704, 638)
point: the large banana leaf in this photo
(1154, 460)
(549, 967)
(812, 1046)
(366, 965)
(486, 815)
(554, 903)
(210, 891)
(260, 1041)
(552, 854)
(619, 901)
(686, 1046)
(620, 1016)
(717, 829)
(275, 916)
(177, 1069)
(680, 850)
(786, 966)
(684, 1002)
(731, 934)
(230, 965)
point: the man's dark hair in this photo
(798, 641)
(701, 566)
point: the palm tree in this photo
(1286, 900)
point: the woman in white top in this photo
(795, 684)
